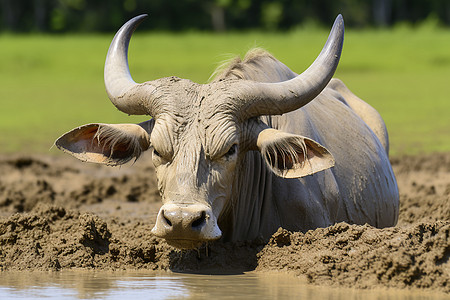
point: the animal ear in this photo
(292, 156)
(109, 144)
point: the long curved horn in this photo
(123, 92)
(256, 99)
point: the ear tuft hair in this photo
(292, 156)
(287, 154)
(120, 145)
(109, 144)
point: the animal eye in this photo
(156, 153)
(232, 150)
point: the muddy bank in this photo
(57, 213)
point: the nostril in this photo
(200, 221)
(166, 219)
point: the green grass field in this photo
(51, 84)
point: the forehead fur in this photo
(202, 114)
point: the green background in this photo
(53, 83)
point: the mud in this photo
(57, 213)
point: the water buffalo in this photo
(257, 148)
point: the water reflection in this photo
(151, 285)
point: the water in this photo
(149, 285)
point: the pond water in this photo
(168, 285)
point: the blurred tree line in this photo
(217, 15)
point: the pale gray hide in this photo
(360, 188)
(207, 151)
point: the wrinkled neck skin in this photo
(261, 202)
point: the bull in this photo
(257, 148)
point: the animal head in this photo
(200, 133)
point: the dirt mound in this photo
(52, 238)
(363, 256)
(57, 213)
